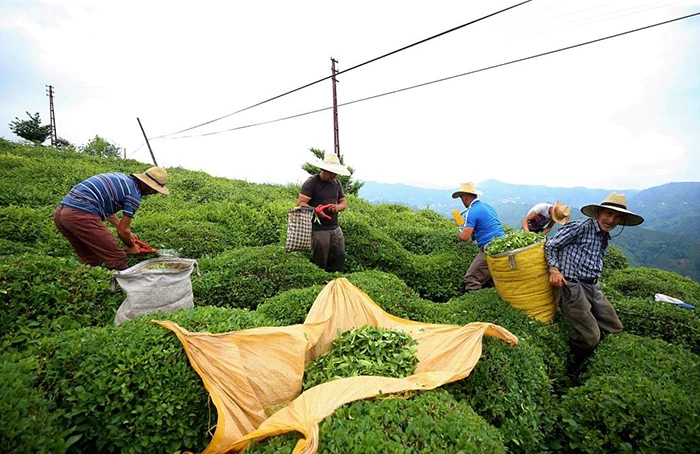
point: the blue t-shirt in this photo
(104, 195)
(484, 220)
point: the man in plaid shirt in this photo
(575, 259)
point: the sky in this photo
(621, 113)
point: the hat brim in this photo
(337, 169)
(151, 184)
(630, 219)
(457, 194)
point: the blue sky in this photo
(618, 114)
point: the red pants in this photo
(90, 238)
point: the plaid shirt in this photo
(578, 249)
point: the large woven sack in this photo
(161, 284)
(299, 221)
(521, 279)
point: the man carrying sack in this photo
(81, 214)
(575, 259)
(325, 193)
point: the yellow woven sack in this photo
(254, 376)
(521, 278)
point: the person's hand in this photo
(134, 237)
(332, 208)
(556, 279)
(135, 249)
(320, 211)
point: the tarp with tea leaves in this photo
(254, 376)
(521, 278)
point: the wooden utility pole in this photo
(147, 143)
(335, 109)
(54, 136)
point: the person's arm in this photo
(114, 220)
(549, 227)
(303, 200)
(124, 232)
(342, 204)
(466, 233)
(565, 236)
(530, 216)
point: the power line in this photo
(344, 71)
(486, 68)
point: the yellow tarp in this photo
(250, 371)
(521, 278)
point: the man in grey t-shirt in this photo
(325, 193)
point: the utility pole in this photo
(335, 109)
(54, 136)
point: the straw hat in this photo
(466, 188)
(561, 213)
(332, 164)
(616, 202)
(155, 178)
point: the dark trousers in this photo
(92, 241)
(589, 313)
(328, 249)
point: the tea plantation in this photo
(70, 381)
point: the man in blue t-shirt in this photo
(81, 214)
(482, 222)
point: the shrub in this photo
(614, 260)
(646, 282)
(368, 247)
(291, 306)
(131, 388)
(28, 425)
(510, 389)
(42, 294)
(423, 422)
(244, 277)
(423, 240)
(640, 395)
(33, 227)
(659, 320)
(387, 290)
(438, 276)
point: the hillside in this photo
(669, 239)
(72, 381)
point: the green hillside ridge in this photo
(71, 381)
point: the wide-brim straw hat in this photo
(466, 188)
(615, 202)
(561, 213)
(332, 164)
(155, 178)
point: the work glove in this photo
(319, 210)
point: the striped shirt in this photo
(577, 249)
(104, 195)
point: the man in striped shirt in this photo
(81, 214)
(575, 259)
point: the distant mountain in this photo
(669, 238)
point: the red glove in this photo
(320, 211)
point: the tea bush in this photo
(518, 376)
(423, 240)
(28, 425)
(40, 294)
(387, 290)
(485, 306)
(34, 228)
(129, 388)
(658, 320)
(438, 276)
(646, 282)
(291, 306)
(368, 247)
(244, 277)
(641, 395)
(614, 260)
(422, 422)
